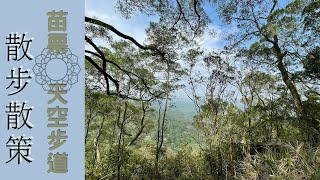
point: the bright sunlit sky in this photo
(136, 25)
(105, 10)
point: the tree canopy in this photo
(254, 103)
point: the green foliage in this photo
(312, 64)
(245, 112)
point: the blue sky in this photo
(136, 25)
(106, 11)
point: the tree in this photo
(257, 100)
(272, 37)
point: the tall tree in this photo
(276, 32)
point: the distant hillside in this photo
(179, 124)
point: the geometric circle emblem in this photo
(52, 68)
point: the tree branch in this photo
(114, 30)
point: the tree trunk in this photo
(289, 83)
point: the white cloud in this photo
(137, 24)
(211, 39)
(134, 26)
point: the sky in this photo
(105, 10)
(136, 25)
